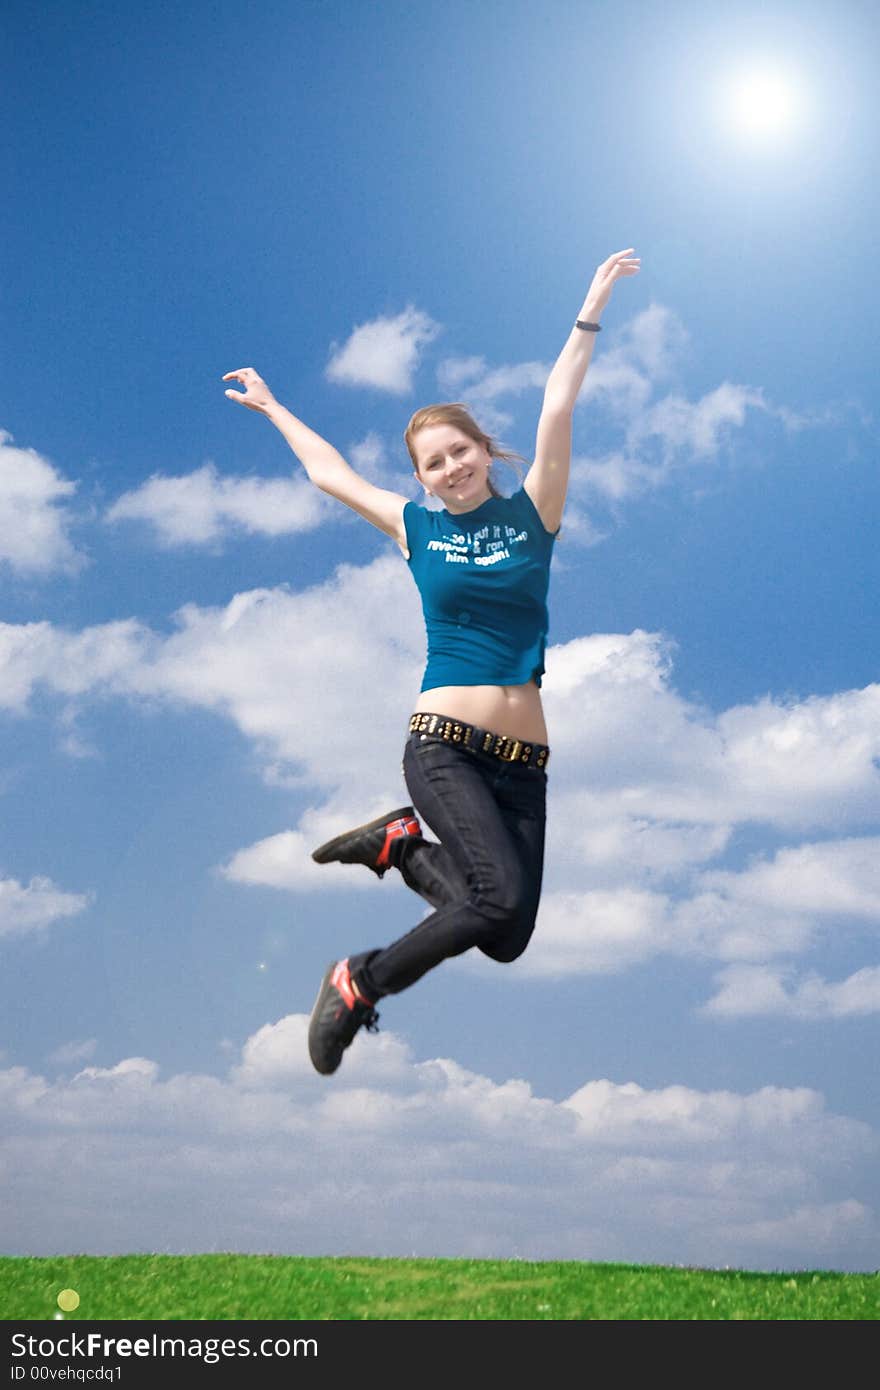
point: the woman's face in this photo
(452, 467)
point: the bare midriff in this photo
(512, 710)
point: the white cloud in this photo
(791, 764)
(34, 521)
(596, 932)
(596, 841)
(74, 1051)
(199, 507)
(838, 877)
(694, 428)
(725, 926)
(654, 340)
(820, 752)
(285, 860)
(583, 930)
(277, 1056)
(96, 660)
(621, 378)
(398, 1157)
(295, 672)
(772, 908)
(138, 1067)
(663, 434)
(34, 906)
(584, 530)
(667, 435)
(384, 352)
(828, 1221)
(278, 861)
(751, 990)
(614, 476)
(370, 458)
(509, 380)
(617, 385)
(677, 1115)
(453, 372)
(481, 388)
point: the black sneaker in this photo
(370, 844)
(336, 1018)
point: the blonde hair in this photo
(454, 413)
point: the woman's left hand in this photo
(620, 264)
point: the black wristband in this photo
(588, 327)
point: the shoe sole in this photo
(325, 853)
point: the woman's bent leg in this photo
(489, 819)
(430, 870)
(524, 810)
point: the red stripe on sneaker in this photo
(341, 981)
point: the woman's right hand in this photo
(256, 394)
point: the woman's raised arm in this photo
(326, 467)
(547, 480)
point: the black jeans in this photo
(483, 878)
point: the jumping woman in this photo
(475, 762)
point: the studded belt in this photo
(509, 750)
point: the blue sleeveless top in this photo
(483, 577)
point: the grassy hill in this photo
(257, 1287)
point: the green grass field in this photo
(258, 1287)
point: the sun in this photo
(763, 104)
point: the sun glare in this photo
(763, 104)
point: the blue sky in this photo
(378, 207)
